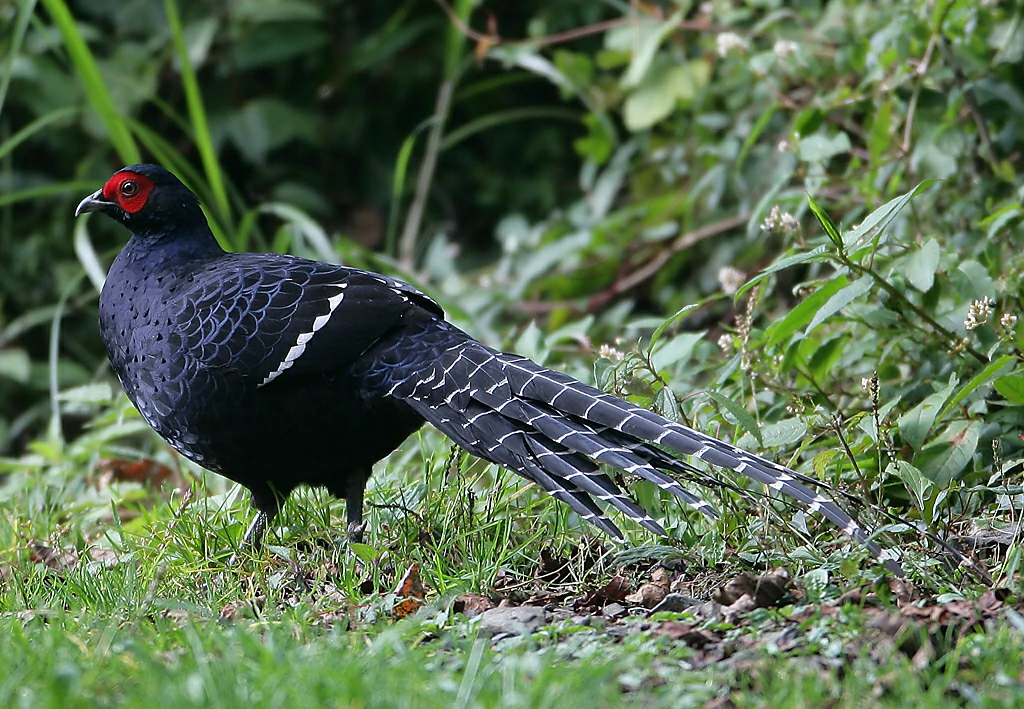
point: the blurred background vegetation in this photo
(563, 177)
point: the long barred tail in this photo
(554, 431)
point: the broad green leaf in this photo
(778, 434)
(663, 88)
(818, 147)
(915, 424)
(98, 393)
(531, 343)
(916, 483)
(802, 314)
(818, 254)
(1011, 388)
(367, 553)
(839, 300)
(944, 460)
(992, 370)
(665, 403)
(646, 41)
(15, 364)
(742, 416)
(664, 325)
(304, 227)
(822, 460)
(981, 284)
(880, 218)
(679, 348)
(920, 267)
(603, 370)
(1001, 219)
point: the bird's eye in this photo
(129, 188)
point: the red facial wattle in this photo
(116, 191)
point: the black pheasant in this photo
(276, 371)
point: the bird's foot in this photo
(253, 538)
(355, 532)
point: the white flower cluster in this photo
(979, 313)
(725, 343)
(777, 220)
(786, 146)
(729, 42)
(731, 279)
(784, 48)
(609, 352)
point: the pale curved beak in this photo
(93, 203)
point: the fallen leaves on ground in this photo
(652, 593)
(409, 593)
(146, 472)
(898, 620)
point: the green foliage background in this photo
(564, 176)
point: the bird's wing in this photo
(263, 316)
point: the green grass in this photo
(70, 660)
(138, 607)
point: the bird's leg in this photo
(257, 528)
(253, 535)
(354, 509)
(266, 506)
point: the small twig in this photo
(806, 373)
(928, 319)
(407, 243)
(922, 68)
(837, 426)
(644, 272)
(493, 39)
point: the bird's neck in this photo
(155, 249)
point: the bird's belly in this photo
(301, 431)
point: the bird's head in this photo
(148, 200)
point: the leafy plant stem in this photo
(454, 62)
(950, 337)
(407, 242)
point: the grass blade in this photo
(87, 256)
(27, 6)
(89, 74)
(44, 121)
(397, 186)
(196, 111)
(75, 187)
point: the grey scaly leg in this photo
(354, 509)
